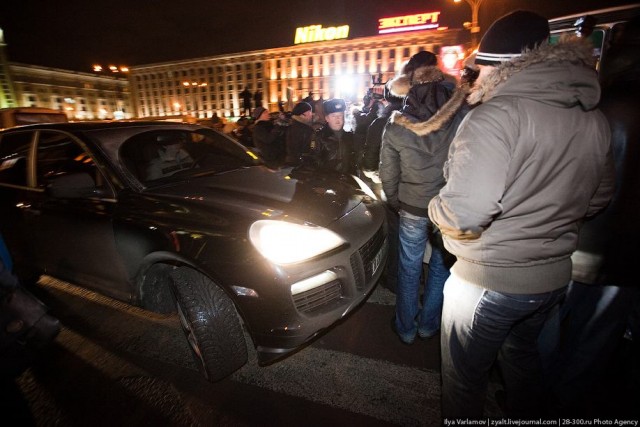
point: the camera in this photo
(373, 94)
(376, 91)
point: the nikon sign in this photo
(315, 33)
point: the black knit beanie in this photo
(257, 112)
(510, 35)
(301, 108)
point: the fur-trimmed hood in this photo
(399, 86)
(440, 118)
(560, 74)
(429, 104)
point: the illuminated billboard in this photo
(315, 33)
(419, 21)
(452, 58)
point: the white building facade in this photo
(82, 96)
(325, 69)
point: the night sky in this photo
(74, 34)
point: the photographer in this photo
(388, 104)
(268, 137)
(363, 119)
(370, 164)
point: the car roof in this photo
(105, 125)
(603, 17)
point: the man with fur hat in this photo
(334, 146)
(298, 140)
(524, 169)
(414, 148)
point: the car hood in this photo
(305, 195)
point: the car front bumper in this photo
(321, 292)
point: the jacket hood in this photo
(400, 85)
(561, 74)
(439, 119)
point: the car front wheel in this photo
(210, 322)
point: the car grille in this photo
(361, 265)
(318, 297)
(361, 260)
(358, 275)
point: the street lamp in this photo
(474, 28)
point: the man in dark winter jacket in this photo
(334, 147)
(605, 290)
(363, 119)
(414, 148)
(267, 137)
(370, 164)
(298, 139)
(373, 141)
(524, 169)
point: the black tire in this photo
(211, 324)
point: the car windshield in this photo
(166, 155)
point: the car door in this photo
(15, 194)
(71, 215)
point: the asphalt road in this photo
(118, 365)
(114, 364)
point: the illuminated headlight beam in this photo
(287, 243)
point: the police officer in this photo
(333, 146)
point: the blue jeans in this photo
(391, 269)
(411, 319)
(579, 340)
(480, 326)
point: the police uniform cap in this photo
(334, 106)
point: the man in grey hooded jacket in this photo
(526, 166)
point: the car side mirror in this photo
(71, 185)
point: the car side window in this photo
(14, 151)
(174, 154)
(63, 162)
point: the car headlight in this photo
(287, 243)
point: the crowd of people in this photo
(313, 134)
(488, 180)
(494, 181)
